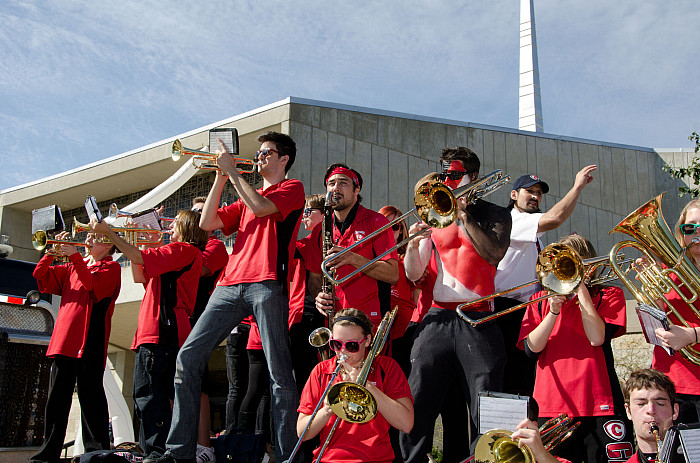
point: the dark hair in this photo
(199, 199)
(648, 378)
(365, 322)
(386, 211)
(284, 144)
(344, 166)
(187, 224)
(316, 201)
(469, 159)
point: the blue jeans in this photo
(227, 307)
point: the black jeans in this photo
(154, 373)
(237, 372)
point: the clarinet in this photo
(327, 231)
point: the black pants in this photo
(446, 350)
(304, 355)
(154, 373)
(237, 372)
(87, 373)
(254, 415)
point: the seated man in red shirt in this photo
(650, 399)
(88, 287)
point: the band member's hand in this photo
(415, 228)
(348, 372)
(529, 434)
(349, 258)
(99, 227)
(584, 176)
(64, 249)
(324, 303)
(556, 303)
(676, 337)
(225, 160)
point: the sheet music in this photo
(690, 441)
(147, 219)
(226, 137)
(501, 412)
(649, 319)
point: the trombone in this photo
(40, 240)
(560, 270)
(132, 236)
(435, 204)
(319, 339)
(207, 161)
(497, 445)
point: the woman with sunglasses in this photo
(352, 442)
(685, 375)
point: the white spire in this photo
(530, 114)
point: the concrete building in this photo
(391, 150)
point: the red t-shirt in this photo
(361, 291)
(572, 376)
(80, 287)
(173, 274)
(215, 256)
(685, 375)
(356, 443)
(264, 246)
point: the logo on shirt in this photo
(359, 234)
(615, 429)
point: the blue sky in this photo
(81, 81)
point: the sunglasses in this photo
(689, 228)
(265, 152)
(452, 175)
(309, 210)
(196, 209)
(350, 346)
(396, 226)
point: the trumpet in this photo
(497, 446)
(560, 270)
(133, 236)
(40, 240)
(207, 161)
(116, 213)
(435, 204)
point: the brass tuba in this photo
(655, 240)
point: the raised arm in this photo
(565, 207)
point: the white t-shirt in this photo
(518, 265)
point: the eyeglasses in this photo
(196, 209)
(452, 175)
(396, 226)
(265, 152)
(689, 228)
(350, 346)
(309, 210)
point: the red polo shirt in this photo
(264, 246)
(80, 287)
(173, 274)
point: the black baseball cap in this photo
(525, 181)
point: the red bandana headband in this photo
(344, 171)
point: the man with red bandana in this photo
(369, 290)
(518, 265)
(448, 350)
